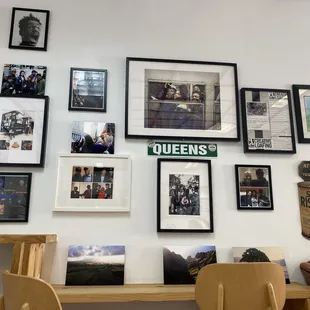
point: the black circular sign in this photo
(304, 170)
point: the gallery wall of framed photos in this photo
(83, 102)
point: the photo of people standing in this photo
(254, 189)
(92, 137)
(184, 194)
(23, 80)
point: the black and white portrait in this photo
(29, 29)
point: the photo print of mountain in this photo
(261, 254)
(182, 263)
(95, 265)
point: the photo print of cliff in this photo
(95, 265)
(261, 254)
(182, 263)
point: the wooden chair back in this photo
(241, 286)
(28, 293)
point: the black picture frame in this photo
(13, 31)
(83, 97)
(182, 133)
(301, 120)
(254, 185)
(8, 203)
(45, 102)
(246, 147)
(210, 229)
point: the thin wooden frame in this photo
(237, 180)
(104, 100)
(159, 173)
(245, 126)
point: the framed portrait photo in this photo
(301, 94)
(253, 187)
(178, 99)
(93, 183)
(88, 90)
(23, 130)
(14, 196)
(267, 121)
(184, 195)
(29, 29)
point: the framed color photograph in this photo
(178, 99)
(184, 195)
(29, 29)
(267, 121)
(88, 90)
(23, 130)
(14, 196)
(301, 95)
(253, 187)
(93, 183)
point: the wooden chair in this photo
(241, 286)
(27, 293)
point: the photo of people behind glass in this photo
(23, 80)
(184, 194)
(14, 197)
(190, 101)
(92, 183)
(254, 189)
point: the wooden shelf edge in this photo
(42, 238)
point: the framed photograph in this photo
(29, 29)
(88, 90)
(93, 137)
(179, 99)
(301, 94)
(184, 195)
(14, 196)
(93, 183)
(267, 121)
(23, 80)
(23, 130)
(254, 187)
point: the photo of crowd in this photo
(23, 80)
(184, 194)
(92, 183)
(256, 108)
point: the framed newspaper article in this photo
(267, 121)
(181, 99)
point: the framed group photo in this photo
(29, 29)
(254, 187)
(267, 120)
(184, 195)
(179, 99)
(88, 90)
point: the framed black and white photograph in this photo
(301, 95)
(178, 99)
(184, 195)
(14, 196)
(267, 121)
(23, 130)
(254, 187)
(29, 29)
(88, 90)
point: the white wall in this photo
(267, 40)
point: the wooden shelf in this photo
(147, 292)
(28, 238)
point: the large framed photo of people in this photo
(14, 196)
(254, 187)
(23, 129)
(178, 99)
(29, 29)
(88, 90)
(267, 121)
(184, 195)
(93, 183)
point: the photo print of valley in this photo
(182, 100)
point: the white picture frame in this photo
(107, 177)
